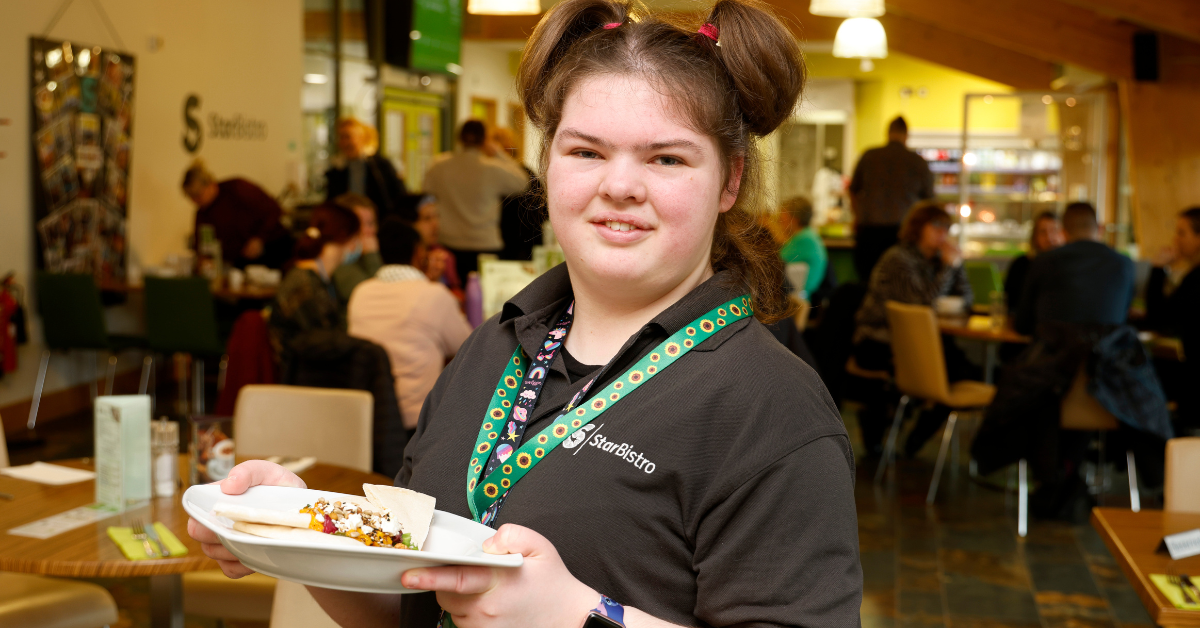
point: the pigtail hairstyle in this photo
(736, 89)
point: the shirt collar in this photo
(534, 309)
(392, 273)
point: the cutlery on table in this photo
(162, 547)
(1187, 581)
(139, 534)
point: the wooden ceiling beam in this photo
(907, 36)
(1046, 29)
(1178, 17)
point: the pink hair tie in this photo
(611, 25)
(710, 31)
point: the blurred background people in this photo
(440, 264)
(1173, 308)
(307, 299)
(416, 320)
(469, 184)
(521, 214)
(363, 259)
(923, 266)
(243, 218)
(1046, 235)
(802, 244)
(358, 168)
(1074, 304)
(887, 181)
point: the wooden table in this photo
(958, 326)
(1132, 538)
(87, 552)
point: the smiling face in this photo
(633, 192)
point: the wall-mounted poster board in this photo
(82, 122)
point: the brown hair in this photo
(734, 93)
(1045, 215)
(197, 175)
(370, 135)
(329, 223)
(352, 200)
(921, 214)
(472, 133)
(1192, 215)
(800, 208)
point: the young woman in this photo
(721, 494)
(1046, 236)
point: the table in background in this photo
(958, 326)
(247, 292)
(87, 552)
(1132, 537)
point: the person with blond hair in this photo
(359, 168)
(243, 217)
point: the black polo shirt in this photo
(720, 493)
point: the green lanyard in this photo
(481, 494)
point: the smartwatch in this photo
(608, 614)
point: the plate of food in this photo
(340, 541)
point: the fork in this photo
(139, 534)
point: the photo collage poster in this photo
(82, 125)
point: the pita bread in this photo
(248, 514)
(413, 510)
(285, 533)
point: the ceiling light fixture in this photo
(504, 7)
(860, 38)
(846, 8)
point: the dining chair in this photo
(73, 320)
(28, 601)
(1183, 467)
(919, 367)
(332, 425)
(984, 278)
(1079, 411)
(181, 318)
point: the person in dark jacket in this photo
(1173, 308)
(1074, 305)
(360, 169)
(243, 217)
(521, 214)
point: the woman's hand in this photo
(540, 593)
(241, 477)
(951, 256)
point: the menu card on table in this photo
(122, 450)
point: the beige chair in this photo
(920, 373)
(1080, 412)
(295, 608)
(330, 424)
(1183, 469)
(39, 602)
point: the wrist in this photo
(608, 608)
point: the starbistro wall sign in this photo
(220, 127)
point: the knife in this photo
(162, 547)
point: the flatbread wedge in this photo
(288, 533)
(413, 510)
(249, 514)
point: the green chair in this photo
(73, 320)
(985, 279)
(181, 318)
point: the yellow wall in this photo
(878, 96)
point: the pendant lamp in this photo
(860, 38)
(846, 8)
(504, 7)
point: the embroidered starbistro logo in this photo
(590, 434)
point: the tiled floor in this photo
(959, 564)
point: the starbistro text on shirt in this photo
(623, 450)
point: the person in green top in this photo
(803, 244)
(363, 260)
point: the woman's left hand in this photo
(539, 593)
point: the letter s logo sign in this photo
(580, 435)
(193, 135)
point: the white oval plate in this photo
(452, 540)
